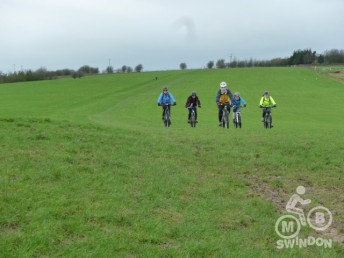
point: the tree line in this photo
(43, 74)
(299, 57)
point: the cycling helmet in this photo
(266, 93)
(193, 93)
(223, 84)
(165, 89)
(237, 94)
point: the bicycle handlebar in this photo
(268, 106)
(169, 104)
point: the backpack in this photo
(166, 98)
(224, 98)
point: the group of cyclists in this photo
(224, 99)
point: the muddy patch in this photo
(280, 196)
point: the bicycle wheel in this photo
(227, 119)
(223, 120)
(167, 120)
(236, 120)
(239, 120)
(192, 119)
(266, 121)
(269, 121)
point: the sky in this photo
(161, 34)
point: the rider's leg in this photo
(263, 114)
(220, 112)
(229, 109)
(300, 213)
(195, 114)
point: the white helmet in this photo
(223, 84)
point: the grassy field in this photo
(87, 168)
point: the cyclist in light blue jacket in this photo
(237, 103)
(165, 100)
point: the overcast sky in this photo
(161, 34)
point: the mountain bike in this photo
(225, 116)
(192, 115)
(267, 118)
(237, 116)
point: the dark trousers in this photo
(221, 107)
(266, 110)
(163, 109)
(190, 109)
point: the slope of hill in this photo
(88, 170)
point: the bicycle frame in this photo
(192, 115)
(237, 117)
(167, 119)
(267, 117)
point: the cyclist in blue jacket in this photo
(165, 100)
(237, 103)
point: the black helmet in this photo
(193, 93)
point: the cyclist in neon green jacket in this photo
(266, 103)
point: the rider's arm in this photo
(173, 99)
(272, 101)
(187, 102)
(243, 101)
(198, 102)
(159, 98)
(261, 101)
(218, 96)
(307, 201)
(230, 95)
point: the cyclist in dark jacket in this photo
(191, 103)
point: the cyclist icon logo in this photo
(319, 218)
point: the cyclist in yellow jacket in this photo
(224, 98)
(266, 103)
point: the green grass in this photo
(88, 170)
